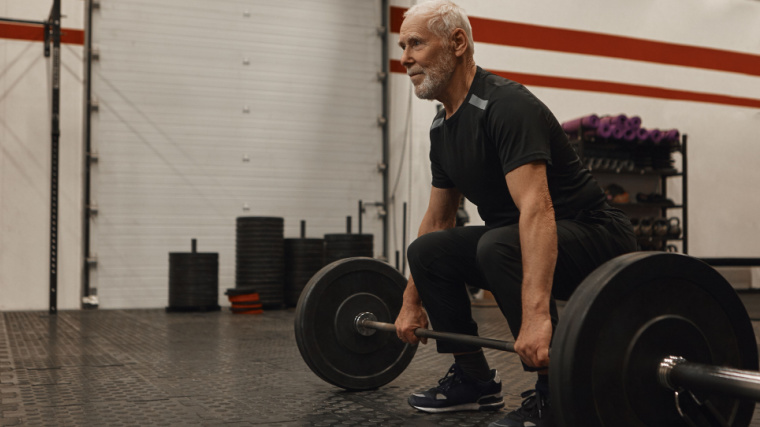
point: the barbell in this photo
(648, 339)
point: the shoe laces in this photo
(534, 403)
(453, 377)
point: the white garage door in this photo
(211, 110)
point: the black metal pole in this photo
(685, 197)
(403, 242)
(88, 155)
(55, 26)
(385, 67)
(361, 209)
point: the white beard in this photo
(436, 75)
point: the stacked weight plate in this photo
(340, 246)
(303, 258)
(193, 282)
(260, 261)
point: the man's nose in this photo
(406, 59)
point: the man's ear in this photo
(459, 41)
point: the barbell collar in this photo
(676, 373)
(364, 322)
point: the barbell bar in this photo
(639, 330)
(364, 321)
(674, 372)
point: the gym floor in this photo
(149, 367)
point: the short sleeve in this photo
(519, 127)
(440, 179)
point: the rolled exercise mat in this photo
(654, 135)
(633, 122)
(629, 134)
(193, 281)
(604, 130)
(618, 120)
(671, 135)
(586, 122)
(617, 132)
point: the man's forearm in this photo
(538, 240)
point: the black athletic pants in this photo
(443, 263)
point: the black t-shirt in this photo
(499, 127)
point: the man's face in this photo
(428, 64)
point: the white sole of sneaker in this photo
(495, 405)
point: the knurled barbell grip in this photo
(445, 336)
(676, 372)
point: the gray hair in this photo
(445, 17)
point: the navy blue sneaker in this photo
(458, 392)
(534, 412)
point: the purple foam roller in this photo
(642, 134)
(618, 120)
(671, 135)
(654, 135)
(587, 122)
(617, 132)
(630, 134)
(633, 122)
(604, 130)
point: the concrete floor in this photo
(149, 367)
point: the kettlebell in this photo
(660, 227)
(646, 226)
(674, 227)
(636, 226)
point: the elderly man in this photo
(547, 223)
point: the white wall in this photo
(214, 110)
(723, 140)
(25, 100)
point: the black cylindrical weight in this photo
(340, 246)
(260, 258)
(303, 258)
(193, 282)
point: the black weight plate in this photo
(348, 245)
(299, 242)
(351, 237)
(259, 246)
(260, 219)
(240, 291)
(628, 315)
(324, 324)
(260, 264)
(295, 256)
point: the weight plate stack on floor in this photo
(193, 282)
(303, 258)
(244, 301)
(340, 246)
(629, 315)
(260, 259)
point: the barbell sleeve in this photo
(676, 372)
(445, 336)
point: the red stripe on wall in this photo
(32, 32)
(573, 41)
(612, 87)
